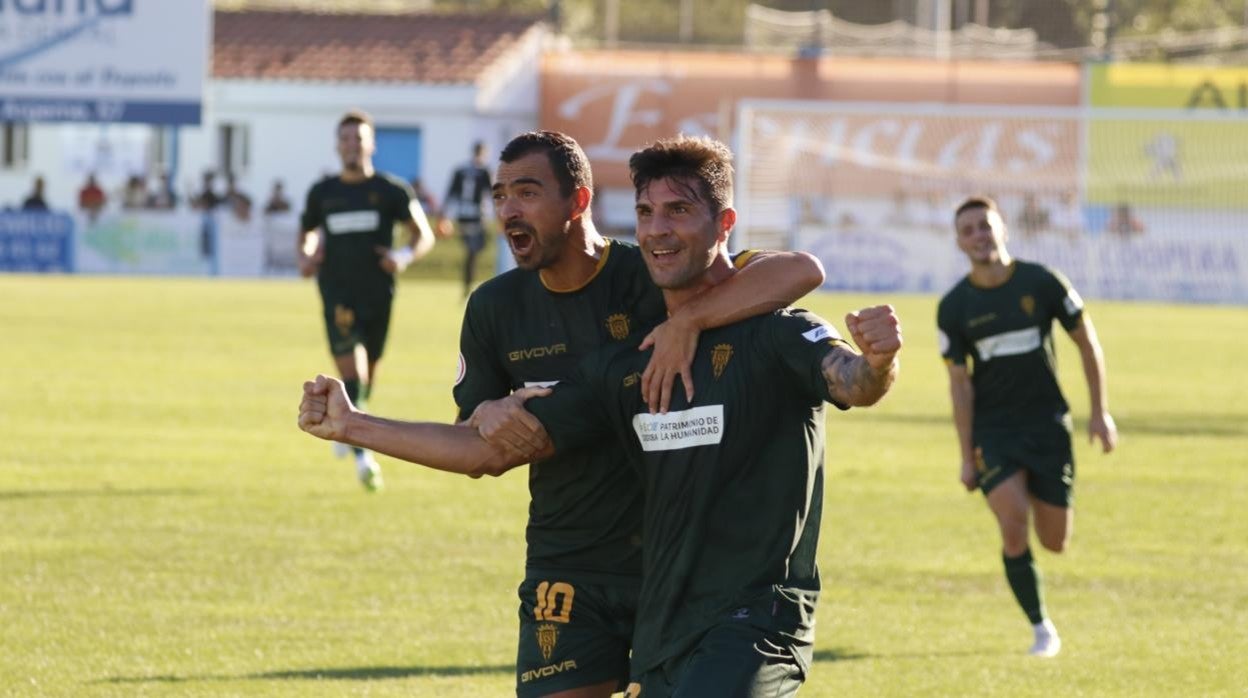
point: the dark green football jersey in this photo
(357, 218)
(585, 514)
(1007, 332)
(733, 480)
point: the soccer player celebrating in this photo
(355, 261)
(732, 475)
(573, 292)
(1012, 422)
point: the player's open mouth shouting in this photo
(520, 236)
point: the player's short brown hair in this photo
(699, 159)
(979, 201)
(355, 116)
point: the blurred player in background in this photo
(355, 261)
(1012, 421)
(465, 202)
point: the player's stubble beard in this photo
(540, 251)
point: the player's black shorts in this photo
(735, 659)
(353, 318)
(573, 634)
(1043, 451)
(473, 235)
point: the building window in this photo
(233, 148)
(14, 145)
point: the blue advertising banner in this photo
(36, 242)
(103, 60)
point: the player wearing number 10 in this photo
(732, 476)
(574, 291)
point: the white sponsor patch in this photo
(942, 341)
(1072, 302)
(697, 426)
(540, 384)
(1009, 343)
(820, 333)
(352, 222)
(463, 370)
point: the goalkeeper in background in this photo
(1013, 423)
(355, 261)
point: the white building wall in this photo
(291, 128)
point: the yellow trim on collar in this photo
(743, 258)
(602, 263)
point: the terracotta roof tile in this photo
(429, 48)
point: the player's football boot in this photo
(368, 471)
(1047, 643)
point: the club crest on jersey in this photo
(344, 319)
(547, 638)
(1028, 303)
(632, 379)
(617, 325)
(720, 356)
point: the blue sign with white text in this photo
(36, 242)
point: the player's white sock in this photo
(1047, 643)
(340, 449)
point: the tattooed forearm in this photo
(853, 381)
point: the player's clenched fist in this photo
(325, 408)
(877, 332)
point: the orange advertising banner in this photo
(876, 149)
(615, 102)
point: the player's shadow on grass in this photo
(838, 654)
(384, 672)
(841, 654)
(367, 673)
(100, 492)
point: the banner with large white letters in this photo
(1124, 208)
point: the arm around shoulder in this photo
(766, 281)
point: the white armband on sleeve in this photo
(401, 256)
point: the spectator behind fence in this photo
(277, 203)
(35, 202)
(163, 198)
(1033, 218)
(91, 198)
(207, 198)
(236, 199)
(134, 195)
(1123, 221)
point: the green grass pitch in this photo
(166, 530)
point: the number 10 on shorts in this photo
(554, 602)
